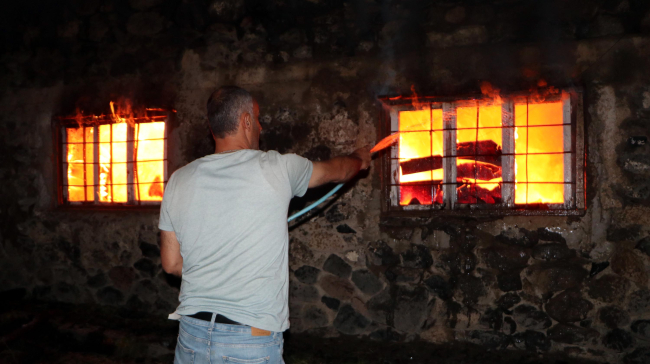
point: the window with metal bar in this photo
(507, 155)
(107, 163)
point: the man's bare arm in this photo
(339, 169)
(170, 253)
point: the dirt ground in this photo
(37, 332)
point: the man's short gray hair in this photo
(224, 108)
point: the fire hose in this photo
(384, 143)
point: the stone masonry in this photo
(577, 285)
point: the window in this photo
(480, 156)
(112, 160)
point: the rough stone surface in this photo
(146, 266)
(336, 287)
(597, 268)
(490, 339)
(554, 278)
(307, 274)
(145, 24)
(455, 15)
(337, 266)
(403, 275)
(531, 318)
(492, 319)
(531, 340)
(644, 245)
(331, 303)
(614, 317)
(608, 288)
(641, 327)
(472, 289)
(149, 250)
(506, 258)
(627, 264)
(510, 326)
(382, 254)
(366, 281)
(568, 306)
(638, 356)
(508, 300)
(411, 309)
(338, 212)
(618, 340)
(461, 37)
(97, 281)
(551, 252)
(350, 322)
(345, 229)
(639, 302)
(418, 256)
(439, 285)
(110, 296)
(314, 316)
(303, 293)
(122, 277)
(509, 282)
(386, 335)
(570, 334)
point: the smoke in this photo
(390, 34)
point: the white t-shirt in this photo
(229, 213)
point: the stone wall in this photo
(572, 284)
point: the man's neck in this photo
(228, 145)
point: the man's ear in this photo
(246, 120)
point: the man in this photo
(223, 225)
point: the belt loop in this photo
(214, 317)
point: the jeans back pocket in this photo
(182, 354)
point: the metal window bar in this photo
(136, 178)
(96, 163)
(130, 158)
(508, 153)
(83, 131)
(527, 144)
(449, 154)
(569, 168)
(64, 165)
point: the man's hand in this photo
(363, 154)
(340, 169)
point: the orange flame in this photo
(117, 154)
(538, 137)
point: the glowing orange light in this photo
(538, 142)
(479, 144)
(79, 170)
(114, 164)
(539, 130)
(150, 152)
(420, 136)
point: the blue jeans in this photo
(203, 342)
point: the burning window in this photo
(115, 159)
(517, 153)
